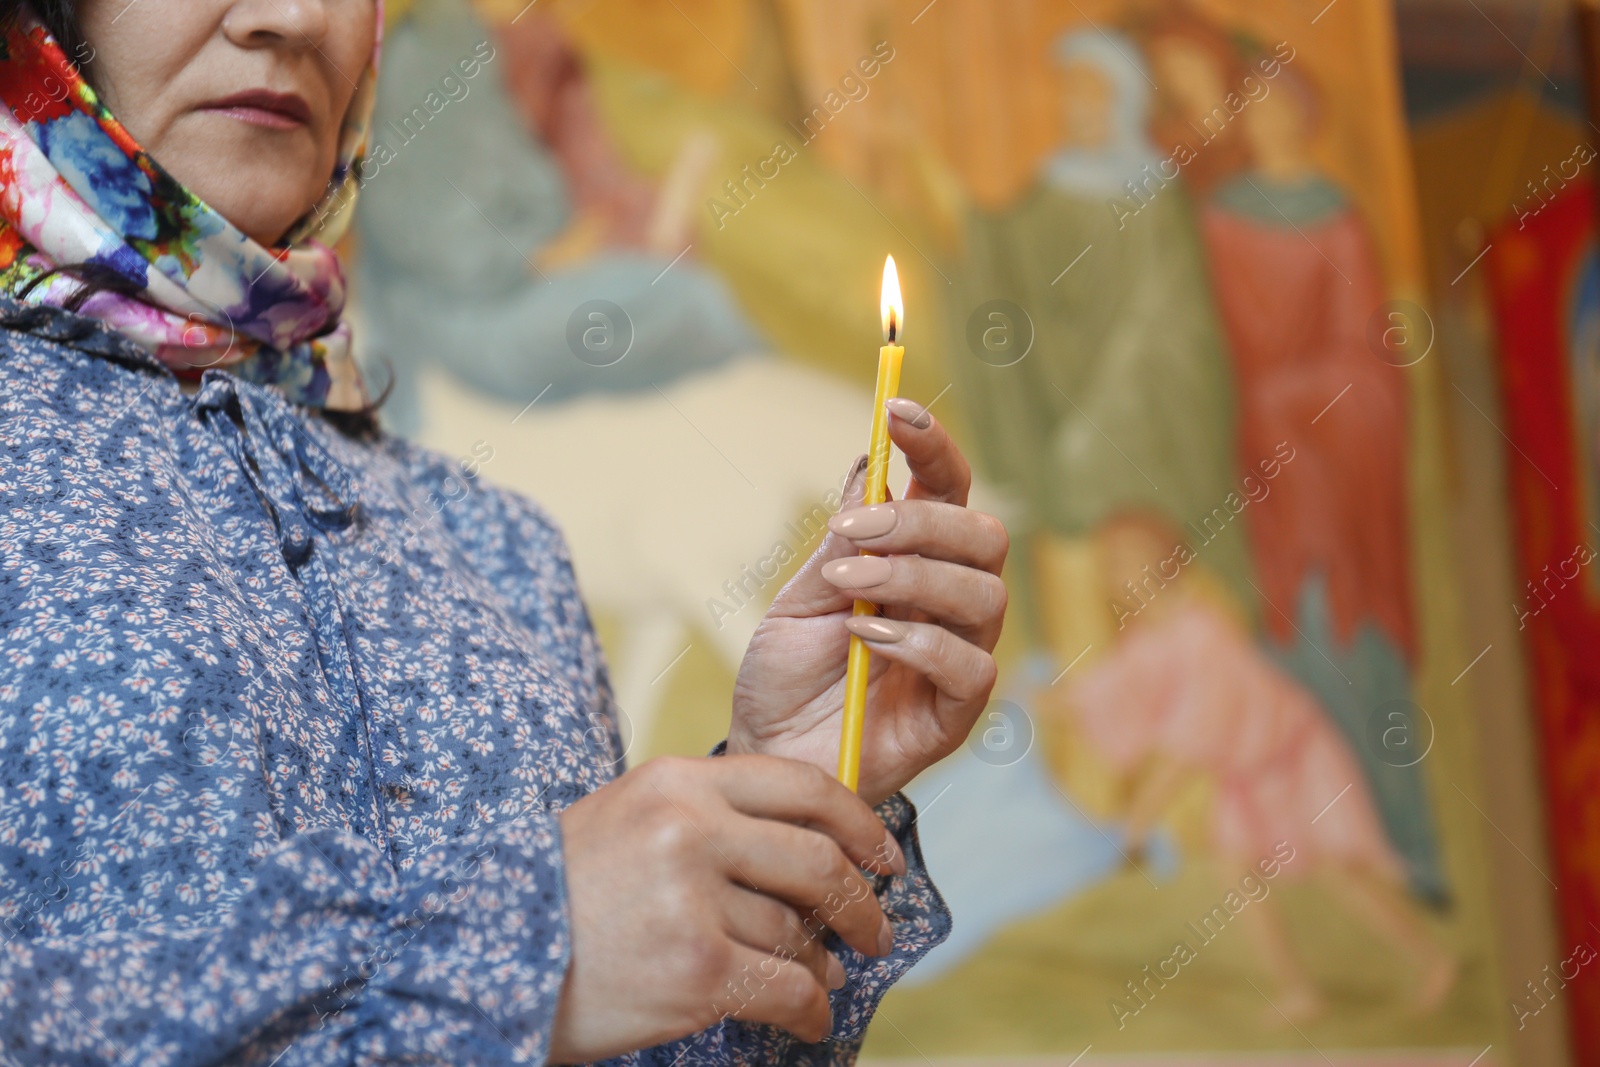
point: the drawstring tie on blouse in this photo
(305, 488)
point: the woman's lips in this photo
(274, 111)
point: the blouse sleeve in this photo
(328, 959)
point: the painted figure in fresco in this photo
(1187, 692)
(1122, 403)
(1124, 400)
(1297, 279)
(536, 227)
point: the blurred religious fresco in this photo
(1160, 261)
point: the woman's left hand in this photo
(937, 583)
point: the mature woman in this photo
(307, 753)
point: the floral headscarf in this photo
(76, 188)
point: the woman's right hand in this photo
(698, 888)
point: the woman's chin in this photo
(260, 180)
(263, 218)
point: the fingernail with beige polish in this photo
(858, 572)
(863, 524)
(836, 974)
(885, 937)
(909, 411)
(868, 628)
(854, 474)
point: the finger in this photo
(765, 990)
(971, 601)
(938, 469)
(957, 668)
(808, 594)
(766, 787)
(809, 871)
(928, 528)
(764, 924)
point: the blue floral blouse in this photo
(286, 721)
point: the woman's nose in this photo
(267, 23)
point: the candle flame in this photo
(894, 313)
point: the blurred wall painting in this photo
(1153, 253)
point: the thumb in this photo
(808, 593)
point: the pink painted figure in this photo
(1192, 687)
(1185, 692)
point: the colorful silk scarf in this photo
(75, 188)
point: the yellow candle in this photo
(855, 678)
